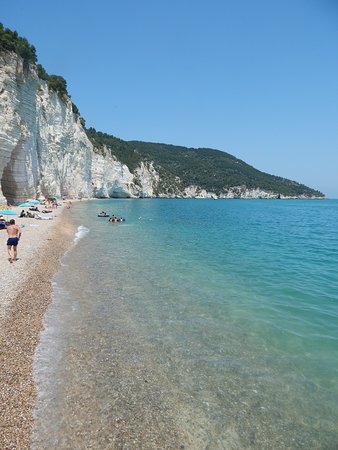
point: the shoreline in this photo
(26, 287)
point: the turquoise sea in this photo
(196, 324)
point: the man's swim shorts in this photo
(13, 241)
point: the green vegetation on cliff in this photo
(122, 150)
(215, 170)
(11, 41)
(178, 167)
(55, 82)
(212, 170)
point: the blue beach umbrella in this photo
(8, 212)
(34, 202)
(23, 205)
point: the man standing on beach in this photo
(14, 234)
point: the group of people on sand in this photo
(28, 213)
(14, 231)
(32, 213)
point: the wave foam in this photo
(81, 233)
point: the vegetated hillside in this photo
(122, 150)
(179, 167)
(212, 170)
(215, 170)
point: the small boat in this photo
(103, 215)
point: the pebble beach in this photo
(25, 295)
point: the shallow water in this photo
(196, 323)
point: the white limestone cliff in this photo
(232, 192)
(45, 150)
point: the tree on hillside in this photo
(11, 41)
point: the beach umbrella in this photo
(24, 205)
(8, 212)
(33, 202)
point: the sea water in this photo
(195, 324)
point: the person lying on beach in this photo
(14, 234)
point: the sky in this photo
(257, 79)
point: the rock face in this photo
(45, 150)
(233, 192)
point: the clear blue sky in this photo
(258, 79)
